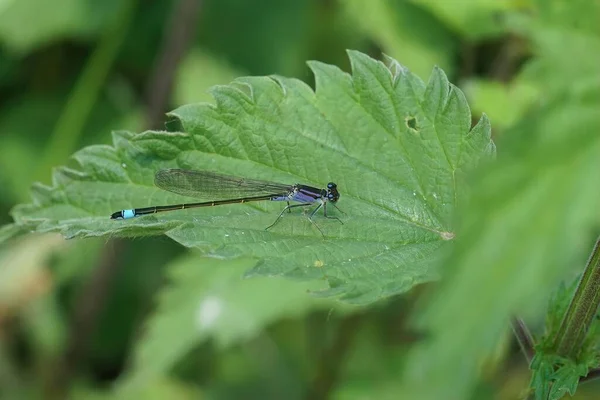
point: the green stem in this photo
(69, 126)
(582, 309)
(524, 338)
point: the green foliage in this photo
(473, 19)
(84, 309)
(553, 376)
(205, 299)
(406, 31)
(558, 305)
(49, 22)
(397, 148)
(523, 227)
(272, 36)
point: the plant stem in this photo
(175, 45)
(581, 311)
(523, 337)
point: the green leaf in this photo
(566, 379)
(553, 376)
(397, 148)
(206, 299)
(566, 38)
(522, 232)
(527, 226)
(405, 31)
(542, 368)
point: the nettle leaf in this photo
(553, 377)
(396, 147)
(205, 299)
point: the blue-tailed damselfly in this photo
(226, 189)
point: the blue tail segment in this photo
(123, 214)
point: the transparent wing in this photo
(212, 186)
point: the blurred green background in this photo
(125, 318)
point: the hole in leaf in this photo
(411, 123)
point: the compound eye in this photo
(331, 185)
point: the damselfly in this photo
(225, 189)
